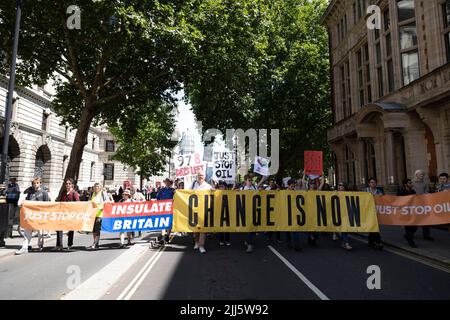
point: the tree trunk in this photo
(78, 145)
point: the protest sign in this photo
(64, 216)
(313, 163)
(261, 166)
(224, 166)
(414, 210)
(189, 165)
(137, 216)
(254, 211)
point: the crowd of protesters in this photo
(98, 196)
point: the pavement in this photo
(437, 250)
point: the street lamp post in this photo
(8, 108)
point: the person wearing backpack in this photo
(98, 198)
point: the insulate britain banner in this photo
(249, 211)
(137, 216)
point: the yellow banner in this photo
(59, 216)
(248, 211)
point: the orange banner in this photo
(414, 210)
(60, 216)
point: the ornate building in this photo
(40, 146)
(390, 90)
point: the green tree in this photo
(127, 52)
(285, 85)
(144, 138)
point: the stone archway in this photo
(42, 164)
(14, 162)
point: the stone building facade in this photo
(390, 89)
(40, 146)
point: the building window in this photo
(446, 10)
(346, 99)
(93, 143)
(388, 59)
(379, 64)
(408, 41)
(359, 10)
(386, 20)
(109, 171)
(92, 175)
(350, 167)
(369, 153)
(66, 133)
(64, 166)
(45, 116)
(342, 27)
(109, 146)
(363, 70)
(405, 9)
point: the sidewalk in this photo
(438, 250)
(15, 243)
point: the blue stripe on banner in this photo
(144, 223)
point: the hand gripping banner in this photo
(248, 211)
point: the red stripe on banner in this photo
(137, 209)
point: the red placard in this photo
(313, 163)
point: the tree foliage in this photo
(145, 138)
(244, 64)
(283, 85)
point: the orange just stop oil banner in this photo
(414, 210)
(61, 216)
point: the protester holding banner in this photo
(200, 237)
(301, 183)
(68, 195)
(421, 187)
(294, 239)
(374, 237)
(126, 197)
(344, 235)
(35, 193)
(166, 193)
(406, 190)
(444, 185)
(248, 185)
(98, 198)
(224, 237)
(273, 186)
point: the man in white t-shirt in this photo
(200, 237)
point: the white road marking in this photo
(319, 293)
(97, 285)
(137, 281)
(408, 256)
(131, 288)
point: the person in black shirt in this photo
(406, 190)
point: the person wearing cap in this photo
(126, 197)
(166, 193)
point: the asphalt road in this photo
(325, 271)
(177, 272)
